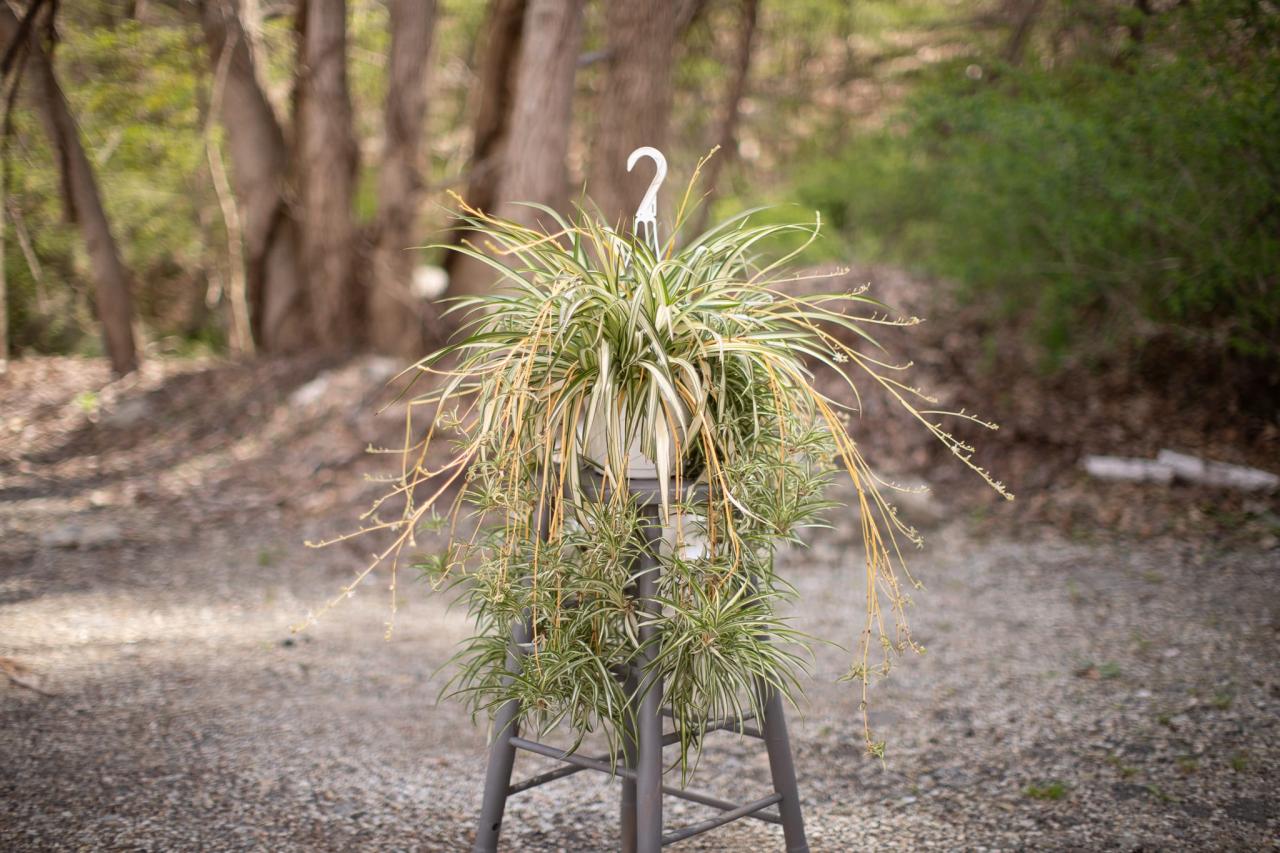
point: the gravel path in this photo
(1074, 696)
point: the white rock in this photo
(129, 413)
(82, 534)
(1220, 474)
(1129, 469)
(429, 282)
(379, 368)
(312, 392)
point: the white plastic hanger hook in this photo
(646, 223)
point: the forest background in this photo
(1097, 181)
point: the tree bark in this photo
(326, 163)
(730, 112)
(493, 100)
(81, 199)
(504, 39)
(236, 291)
(634, 102)
(259, 175)
(687, 14)
(4, 283)
(534, 168)
(1026, 14)
(396, 317)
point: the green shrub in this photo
(1114, 198)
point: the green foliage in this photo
(133, 91)
(1118, 194)
(1053, 790)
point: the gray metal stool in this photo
(642, 787)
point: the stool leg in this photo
(630, 755)
(649, 713)
(502, 757)
(782, 769)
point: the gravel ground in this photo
(1074, 695)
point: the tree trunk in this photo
(634, 102)
(493, 102)
(81, 199)
(4, 283)
(396, 317)
(1026, 14)
(727, 132)
(494, 98)
(259, 174)
(326, 163)
(687, 14)
(535, 170)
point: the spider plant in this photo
(594, 348)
